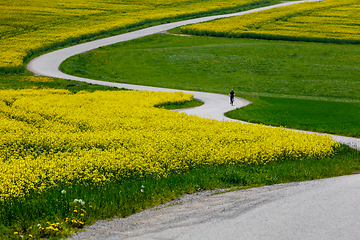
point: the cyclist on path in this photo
(232, 96)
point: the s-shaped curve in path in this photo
(215, 105)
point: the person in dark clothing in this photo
(232, 97)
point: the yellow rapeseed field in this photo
(26, 26)
(326, 21)
(51, 137)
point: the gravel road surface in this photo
(320, 209)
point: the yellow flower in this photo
(320, 21)
(90, 137)
(56, 24)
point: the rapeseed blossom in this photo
(50, 137)
(325, 21)
(30, 26)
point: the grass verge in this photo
(24, 82)
(180, 105)
(56, 213)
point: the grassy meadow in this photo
(72, 153)
(328, 21)
(321, 116)
(319, 81)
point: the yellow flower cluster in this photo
(329, 21)
(26, 26)
(77, 220)
(50, 137)
(33, 79)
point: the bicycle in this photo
(232, 97)
(232, 100)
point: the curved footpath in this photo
(215, 104)
(320, 209)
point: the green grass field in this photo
(320, 116)
(325, 75)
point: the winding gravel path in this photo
(321, 209)
(215, 104)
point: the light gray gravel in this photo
(321, 209)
